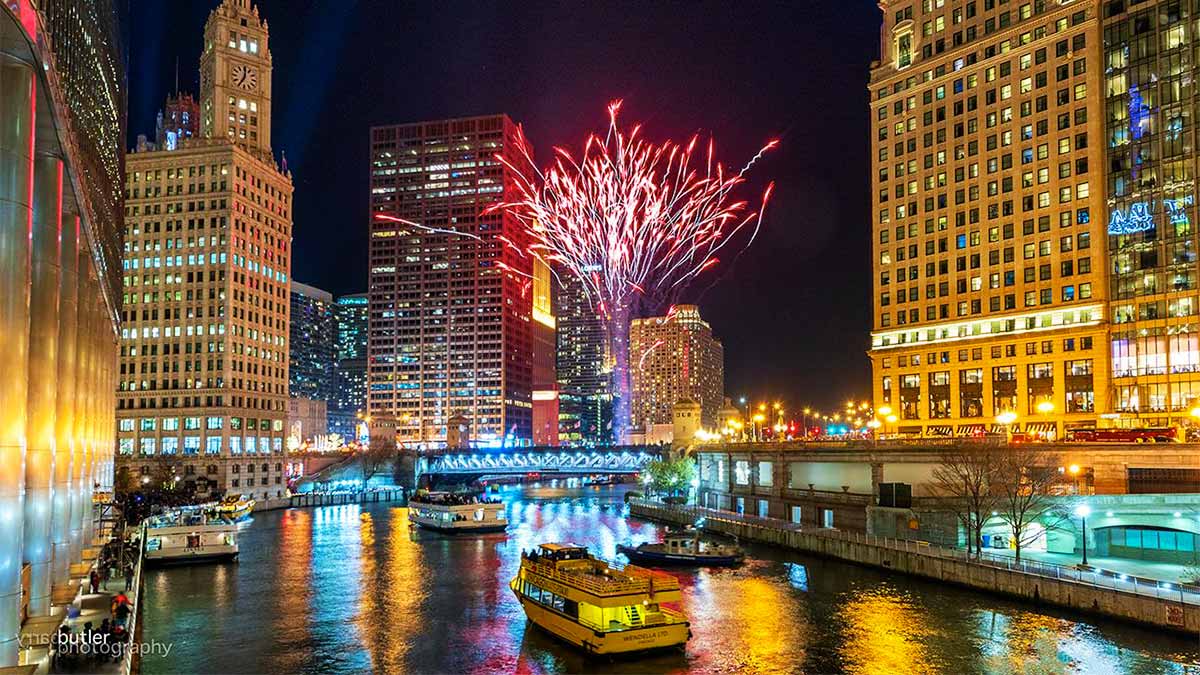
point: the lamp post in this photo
(804, 422)
(1083, 511)
(1006, 419)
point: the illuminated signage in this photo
(1139, 218)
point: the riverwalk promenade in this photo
(1153, 602)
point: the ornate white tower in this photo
(235, 78)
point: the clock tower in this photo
(235, 78)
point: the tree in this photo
(671, 475)
(376, 454)
(1026, 477)
(967, 478)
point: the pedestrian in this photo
(104, 573)
(122, 614)
(94, 578)
(128, 576)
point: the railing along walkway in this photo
(1123, 583)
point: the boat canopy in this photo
(564, 551)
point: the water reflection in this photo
(349, 590)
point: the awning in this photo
(1002, 428)
(941, 430)
(972, 429)
(1041, 429)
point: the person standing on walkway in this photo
(94, 578)
(128, 576)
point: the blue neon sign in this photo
(1139, 218)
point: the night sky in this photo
(793, 311)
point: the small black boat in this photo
(683, 549)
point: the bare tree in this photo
(1027, 478)
(966, 479)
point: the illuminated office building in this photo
(1148, 111)
(312, 341)
(350, 379)
(203, 393)
(582, 365)
(62, 129)
(675, 358)
(542, 333)
(450, 330)
(988, 193)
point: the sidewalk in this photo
(1139, 568)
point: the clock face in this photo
(245, 77)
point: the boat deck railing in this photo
(631, 579)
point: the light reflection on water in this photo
(349, 589)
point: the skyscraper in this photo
(585, 407)
(449, 326)
(675, 358)
(989, 256)
(313, 336)
(350, 384)
(204, 347)
(545, 389)
(1148, 116)
(62, 112)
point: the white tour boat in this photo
(456, 513)
(189, 535)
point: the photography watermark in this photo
(94, 643)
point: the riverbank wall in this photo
(330, 499)
(1171, 607)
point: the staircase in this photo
(633, 615)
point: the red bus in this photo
(1142, 435)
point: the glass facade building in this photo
(350, 385)
(312, 358)
(1149, 107)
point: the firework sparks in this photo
(634, 221)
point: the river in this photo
(350, 589)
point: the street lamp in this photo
(1083, 511)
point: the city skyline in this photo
(806, 230)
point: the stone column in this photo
(64, 421)
(43, 370)
(17, 107)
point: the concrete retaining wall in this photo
(1163, 613)
(326, 499)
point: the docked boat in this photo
(683, 549)
(457, 513)
(188, 535)
(598, 606)
(234, 508)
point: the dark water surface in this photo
(349, 589)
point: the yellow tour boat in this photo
(596, 605)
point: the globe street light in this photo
(1083, 511)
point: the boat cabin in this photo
(553, 553)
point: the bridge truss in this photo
(541, 461)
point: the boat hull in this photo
(190, 558)
(480, 529)
(643, 557)
(628, 641)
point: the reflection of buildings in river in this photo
(756, 617)
(883, 631)
(294, 567)
(393, 592)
